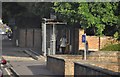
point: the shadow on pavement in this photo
(41, 70)
(8, 49)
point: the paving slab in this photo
(30, 68)
(23, 64)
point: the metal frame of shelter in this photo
(53, 23)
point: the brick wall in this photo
(87, 69)
(64, 64)
(94, 42)
(119, 61)
(108, 56)
(56, 65)
(107, 60)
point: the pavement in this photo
(24, 64)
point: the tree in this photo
(41, 9)
(12, 9)
(67, 11)
(15, 9)
(25, 13)
(89, 14)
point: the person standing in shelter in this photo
(63, 43)
(1, 21)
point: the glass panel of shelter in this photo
(60, 31)
(54, 31)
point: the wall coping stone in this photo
(65, 58)
(105, 53)
(56, 57)
(102, 70)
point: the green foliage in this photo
(89, 14)
(118, 25)
(112, 47)
(116, 35)
(94, 14)
(67, 11)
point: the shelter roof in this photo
(53, 21)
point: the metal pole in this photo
(85, 50)
(44, 37)
(54, 40)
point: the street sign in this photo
(84, 41)
(83, 38)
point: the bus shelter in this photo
(52, 30)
